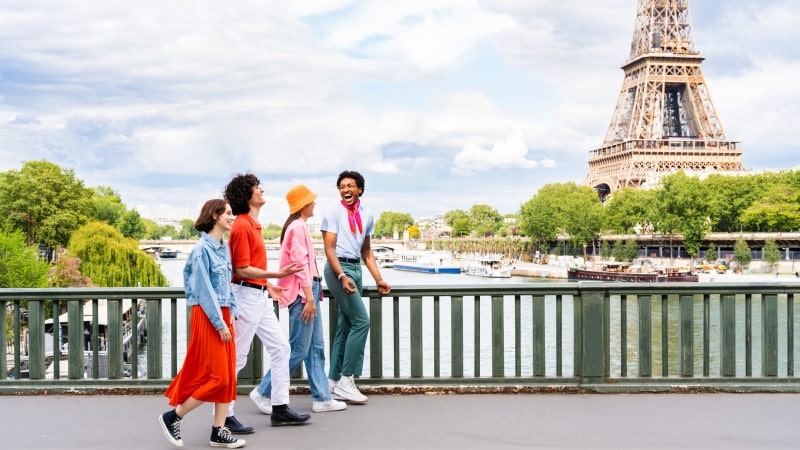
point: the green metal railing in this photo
(537, 336)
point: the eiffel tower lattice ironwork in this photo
(664, 119)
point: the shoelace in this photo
(224, 435)
(176, 428)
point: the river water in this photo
(172, 269)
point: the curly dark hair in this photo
(354, 175)
(239, 191)
(209, 213)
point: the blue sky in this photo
(441, 104)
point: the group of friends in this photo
(227, 286)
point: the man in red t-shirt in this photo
(250, 287)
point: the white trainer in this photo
(330, 405)
(331, 386)
(264, 404)
(346, 388)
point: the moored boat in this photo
(617, 274)
(486, 265)
(426, 261)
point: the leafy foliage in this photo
(66, 273)
(112, 260)
(390, 223)
(20, 266)
(46, 200)
(742, 253)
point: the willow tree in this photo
(112, 260)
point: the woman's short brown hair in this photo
(209, 214)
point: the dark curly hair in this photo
(209, 214)
(239, 191)
(354, 175)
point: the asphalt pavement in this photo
(428, 421)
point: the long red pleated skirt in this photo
(209, 370)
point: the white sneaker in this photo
(263, 403)
(331, 386)
(330, 405)
(346, 388)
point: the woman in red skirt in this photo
(209, 370)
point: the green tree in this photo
(271, 232)
(110, 259)
(187, 231)
(20, 266)
(131, 225)
(586, 215)
(742, 253)
(107, 205)
(541, 216)
(772, 253)
(390, 222)
(485, 220)
(777, 210)
(45, 200)
(459, 222)
(629, 208)
(728, 197)
(711, 253)
(605, 249)
(683, 208)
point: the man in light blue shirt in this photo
(346, 231)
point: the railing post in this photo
(114, 343)
(686, 335)
(769, 333)
(416, 336)
(457, 336)
(727, 335)
(498, 347)
(3, 343)
(154, 340)
(375, 337)
(645, 336)
(75, 332)
(36, 339)
(593, 341)
(538, 336)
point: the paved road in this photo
(487, 421)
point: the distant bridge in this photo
(185, 246)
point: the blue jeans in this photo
(308, 345)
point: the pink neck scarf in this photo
(353, 216)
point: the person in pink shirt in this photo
(303, 292)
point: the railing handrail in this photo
(517, 313)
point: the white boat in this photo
(487, 265)
(384, 256)
(426, 261)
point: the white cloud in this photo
(507, 154)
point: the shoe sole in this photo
(171, 439)
(250, 431)
(352, 400)
(221, 445)
(281, 424)
(328, 410)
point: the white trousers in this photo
(257, 318)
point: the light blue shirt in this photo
(348, 244)
(207, 279)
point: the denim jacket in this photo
(207, 279)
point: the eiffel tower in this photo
(664, 119)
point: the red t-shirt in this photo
(247, 247)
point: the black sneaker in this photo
(236, 427)
(171, 425)
(222, 437)
(283, 415)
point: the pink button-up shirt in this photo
(297, 248)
